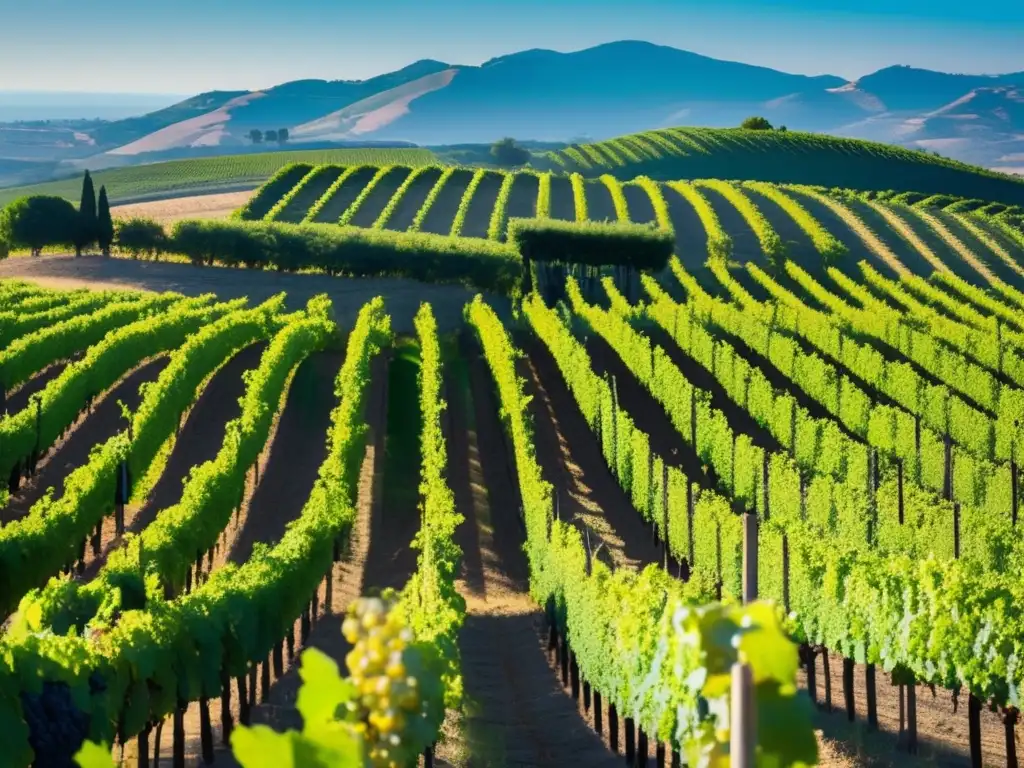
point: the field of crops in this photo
(199, 175)
(750, 222)
(819, 402)
(781, 156)
(198, 489)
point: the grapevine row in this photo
(25, 435)
(154, 662)
(771, 243)
(180, 534)
(598, 610)
(53, 533)
(364, 193)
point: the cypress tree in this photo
(87, 233)
(104, 224)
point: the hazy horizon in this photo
(194, 46)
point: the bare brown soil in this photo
(402, 297)
(571, 461)
(745, 245)
(200, 439)
(691, 245)
(641, 210)
(647, 413)
(378, 198)
(478, 216)
(844, 234)
(298, 449)
(942, 733)
(344, 196)
(297, 208)
(413, 199)
(216, 206)
(19, 398)
(699, 376)
(563, 204)
(276, 707)
(599, 202)
(522, 198)
(441, 215)
(515, 712)
(93, 428)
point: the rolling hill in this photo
(178, 178)
(616, 88)
(781, 156)
(752, 223)
(669, 154)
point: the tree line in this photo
(256, 136)
(42, 220)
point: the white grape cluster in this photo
(388, 697)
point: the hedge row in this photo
(352, 251)
(641, 246)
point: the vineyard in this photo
(673, 510)
(780, 156)
(211, 174)
(741, 222)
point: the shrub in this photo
(641, 246)
(756, 124)
(36, 222)
(507, 152)
(140, 237)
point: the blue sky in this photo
(186, 46)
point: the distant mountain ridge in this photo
(607, 90)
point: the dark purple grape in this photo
(56, 726)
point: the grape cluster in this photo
(379, 665)
(56, 726)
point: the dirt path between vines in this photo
(516, 712)
(19, 398)
(298, 449)
(201, 437)
(277, 709)
(571, 460)
(91, 429)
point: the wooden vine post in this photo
(743, 725)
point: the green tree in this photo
(282, 135)
(507, 152)
(139, 236)
(782, 129)
(756, 124)
(36, 222)
(256, 136)
(270, 136)
(86, 234)
(104, 224)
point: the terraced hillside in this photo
(781, 156)
(752, 222)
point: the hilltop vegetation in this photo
(782, 156)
